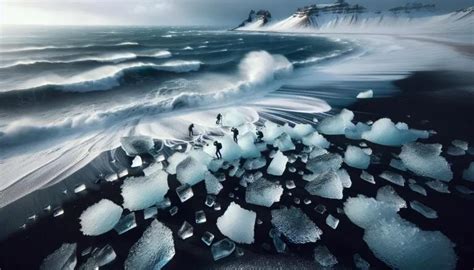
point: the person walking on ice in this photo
(236, 134)
(218, 146)
(190, 130)
(219, 119)
(259, 136)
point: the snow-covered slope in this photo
(255, 20)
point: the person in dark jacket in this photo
(219, 119)
(190, 130)
(259, 136)
(218, 146)
(236, 134)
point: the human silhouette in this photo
(190, 129)
(218, 146)
(236, 134)
(259, 136)
(219, 119)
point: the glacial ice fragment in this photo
(326, 185)
(355, 157)
(263, 192)
(222, 249)
(284, 143)
(278, 165)
(366, 94)
(200, 217)
(315, 139)
(423, 209)
(295, 225)
(468, 174)
(137, 145)
(393, 178)
(190, 171)
(238, 224)
(184, 192)
(385, 132)
(126, 223)
(331, 221)
(100, 218)
(63, 258)
(337, 124)
(324, 257)
(185, 231)
(144, 191)
(324, 163)
(207, 238)
(137, 162)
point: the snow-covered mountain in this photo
(343, 17)
(255, 20)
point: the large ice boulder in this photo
(64, 258)
(324, 163)
(355, 132)
(137, 145)
(385, 132)
(233, 118)
(263, 192)
(326, 185)
(337, 124)
(298, 131)
(142, 192)
(356, 157)
(425, 160)
(468, 174)
(389, 195)
(153, 250)
(173, 161)
(190, 171)
(271, 131)
(213, 185)
(315, 139)
(278, 164)
(295, 225)
(100, 218)
(238, 224)
(247, 146)
(284, 143)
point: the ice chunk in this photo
(126, 223)
(389, 195)
(337, 124)
(355, 132)
(295, 225)
(324, 257)
(142, 192)
(397, 164)
(247, 146)
(271, 131)
(184, 192)
(423, 209)
(366, 94)
(213, 186)
(455, 151)
(418, 189)
(222, 249)
(153, 168)
(238, 224)
(137, 145)
(190, 171)
(201, 156)
(356, 158)
(332, 221)
(100, 218)
(200, 217)
(324, 163)
(438, 186)
(290, 184)
(316, 152)
(207, 238)
(468, 174)
(153, 250)
(263, 192)
(185, 231)
(280, 246)
(173, 161)
(315, 139)
(425, 160)
(278, 165)
(284, 143)
(150, 212)
(80, 188)
(58, 212)
(344, 178)
(104, 256)
(464, 190)
(64, 258)
(173, 210)
(393, 178)
(233, 118)
(364, 212)
(210, 200)
(321, 209)
(461, 144)
(298, 131)
(385, 132)
(360, 263)
(326, 185)
(255, 163)
(137, 162)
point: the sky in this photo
(169, 12)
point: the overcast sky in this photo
(168, 12)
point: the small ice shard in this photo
(368, 151)
(111, 177)
(213, 186)
(217, 206)
(100, 217)
(292, 169)
(326, 185)
(360, 263)
(123, 173)
(367, 177)
(425, 160)
(104, 255)
(324, 163)
(153, 250)
(284, 143)
(418, 189)
(438, 186)
(423, 209)
(455, 151)
(137, 145)
(263, 192)
(315, 139)
(316, 152)
(80, 188)
(184, 192)
(142, 192)
(461, 144)
(210, 200)
(397, 164)
(278, 165)
(238, 224)
(173, 210)
(355, 157)
(464, 190)
(200, 217)
(290, 184)
(150, 212)
(321, 209)
(63, 258)
(344, 178)
(222, 249)
(255, 163)
(173, 161)
(247, 146)
(337, 124)
(126, 223)
(153, 168)
(207, 238)
(298, 131)
(296, 200)
(137, 162)
(190, 171)
(366, 94)
(385, 132)
(389, 195)
(468, 174)
(331, 221)
(47, 208)
(185, 231)
(280, 246)
(58, 212)
(295, 225)
(355, 132)
(86, 251)
(393, 178)
(307, 201)
(324, 257)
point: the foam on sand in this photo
(142, 192)
(385, 132)
(100, 218)
(238, 224)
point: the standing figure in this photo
(219, 119)
(259, 136)
(236, 134)
(190, 130)
(218, 146)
